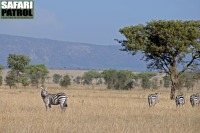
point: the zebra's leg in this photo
(47, 104)
(149, 101)
(63, 107)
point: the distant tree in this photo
(145, 75)
(161, 83)
(65, 81)
(154, 83)
(56, 78)
(166, 45)
(118, 79)
(145, 79)
(189, 80)
(110, 77)
(1, 80)
(189, 84)
(11, 79)
(78, 80)
(48, 78)
(146, 83)
(89, 76)
(1, 77)
(166, 80)
(124, 80)
(37, 74)
(17, 64)
(25, 80)
(1, 68)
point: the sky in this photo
(96, 22)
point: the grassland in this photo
(95, 111)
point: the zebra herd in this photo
(153, 99)
(61, 99)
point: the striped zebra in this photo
(180, 100)
(53, 99)
(153, 99)
(195, 99)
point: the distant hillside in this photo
(68, 55)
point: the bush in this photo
(56, 78)
(118, 79)
(65, 81)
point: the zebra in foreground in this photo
(195, 99)
(153, 99)
(53, 99)
(180, 100)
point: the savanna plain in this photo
(95, 110)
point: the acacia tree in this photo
(169, 46)
(17, 64)
(37, 74)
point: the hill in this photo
(68, 55)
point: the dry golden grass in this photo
(95, 111)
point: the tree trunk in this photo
(174, 80)
(173, 89)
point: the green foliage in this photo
(189, 80)
(165, 46)
(25, 80)
(146, 83)
(124, 80)
(166, 80)
(118, 79)
(56, 78)
(144, 75)
(110, 78)
(1, 68)
(65, 81)
(77, 80)
(37, 74)
(89, 76)
(154, 83)
(1, 80)
(17, 64)
(10, 79)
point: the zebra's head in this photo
(44, 92)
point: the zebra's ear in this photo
(43, 87)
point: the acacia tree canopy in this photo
(168, 46)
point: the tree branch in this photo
(186, 67)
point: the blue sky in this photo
(96, 22)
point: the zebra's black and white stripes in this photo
(153, 99)
(195, 99)
(180, 100)
(53, 99)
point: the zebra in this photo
(158, 97)
(195, 99)
(53, 99)
(180, 100)
(153, 99)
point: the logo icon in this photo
(17, 9)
